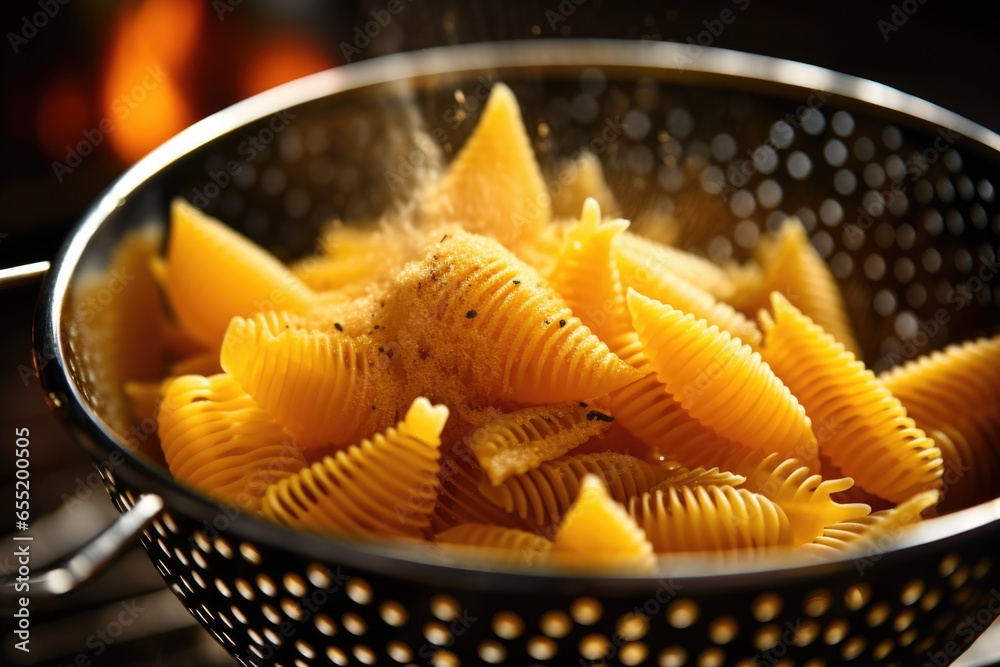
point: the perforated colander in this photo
(897, 194)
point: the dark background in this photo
(57, 87)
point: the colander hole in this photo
(221, 585)
(508, 625)
(238, 614)
(632, 626)
(393, 614)
(171, 525)
(201, 541)
(852, 648)
(877, 614)
(266, 585)
(767, 637)
(925, 644)
(163, 568)
(633, 653)
(318, 576)
(555, 624)
(305, 649)
(300, 663)
(255, 636)
(908, 637)
(982, 568)
(835, 632)
(336, 656)
(911, 592)
(766, 607)
(492, 652)
(399, 651)
(325, 624)
(723, 630)
(594, 646)
(245, 589)
(944, 621)
(445, 607)
(857, 596)
(223, 548)
(354, 624)
(712, 657)
(359, 590)
(541, 648)
(250, 553)
(586, 611)
(961, 596)
(294, 584)
(882, 649)
(365, 655)
(673, 656)
(444, 658)
(292, 609)
(437, 633)
(225, 619)
(273, 637)
(179, 555)
(815, 662)
(958, 579)
(682, 614)
(930, 599)
(903, 620)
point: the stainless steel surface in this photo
(16, 275)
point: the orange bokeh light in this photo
(63, 116)
(282, 58)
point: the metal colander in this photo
(897, 194)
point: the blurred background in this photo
(90, 86)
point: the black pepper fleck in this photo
(381, 350)
(337, 326)
(517, 282)
(582, 404)
(373, 407)
(376, 327)
(548, 321)
(388, 353)
(599, 416)
(562, 323)
(470, 314)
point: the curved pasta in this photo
(213, 273)
(318, 383)
(519, 441)
(494, 185)
(867, 433)
(597, 532)
(956, 392)
(459, 500)
(473, 294)
(681, 476)
(579, 180)
(872, 534)
(639, 259)
(721, 382)
(793, 267)
(709, 518)
(383, 486)
(529, 545)
(542, 495)
(215, 438)
(586, 276)
(355, 256)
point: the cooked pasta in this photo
(520, 441)
(215, 438)
(382, 486)
(640, 259)
(490, 536)
(721, 382)
(871, 438)
(459, 500)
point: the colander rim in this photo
(66, 398)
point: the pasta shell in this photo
(587, 277)
(681, 476)
(318, 384)
(384, 486)
(793, 267)
(721, 382)
(640, 259)
(521, 542)
(213, 274)
(709, 518)
(459, 500)
(512, 335)
(597, 532)
(579, 180)
(494, 185)
(867, 433)
(215, 438)
(543, 495)
(520, 441)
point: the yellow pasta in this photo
(681, 476)
(459, 501)
(319, 384)
(578, 180)
(520, 441)
(495, 537)
(868, 436)
(709, 518)
(542, 495)
(383, 486)
(494, 185)
(793, 267)
(639, 259)
(216, 438)
(597, 532)
(721, 382)
(586, 276)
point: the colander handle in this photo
(16, 275)
(48, 583)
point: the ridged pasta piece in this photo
(650, 413)
(681, 476)
(213, 273)
(215, 438)
(541, 496)
(586, 276)
(203, 363)
(318, 384)
(793, 267)
(520, 441)
(805, 498)
(459, 500)
(383, 486)
(869, 435)
(709, 518)
(639, 258)
(683, 294)
(143, 399)
(531, 545)
(956, 392)
(872, 534)
(577, 181)
(494, 185)
(513, 336)
(598, 533)
(721, 382)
